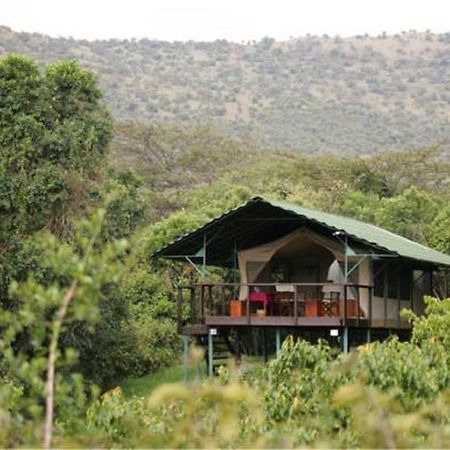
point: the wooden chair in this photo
(330, 304)
(284, 303)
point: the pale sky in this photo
(234, 20)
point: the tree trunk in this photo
(50, 381)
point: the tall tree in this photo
(54, 130)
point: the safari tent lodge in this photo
(295, 270)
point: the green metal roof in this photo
(370, 233)
(261, 220)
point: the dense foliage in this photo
(384, 395)
(73, 290)
(54, 134)
(312, 94)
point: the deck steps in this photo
(223, 350)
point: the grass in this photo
(144, 386)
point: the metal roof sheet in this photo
(363, 232)
(369, 233)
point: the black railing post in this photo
(202, 302)
(210, 300)
(370, 305)
(223, 301)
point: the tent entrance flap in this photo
(297, 247)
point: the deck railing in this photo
(253, 302)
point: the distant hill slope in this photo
(313, 94)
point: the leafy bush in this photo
(388, 394)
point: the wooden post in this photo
(370, 305)
(368, 335)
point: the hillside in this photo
(312, 94)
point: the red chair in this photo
(261, 297)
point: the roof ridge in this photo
(293, 206)
(385, 230)
(365, 232)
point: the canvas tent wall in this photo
(302, 248)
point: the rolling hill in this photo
(311, 94)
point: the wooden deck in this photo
(210, 306)
(305, 322)
(273, 321)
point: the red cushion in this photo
(260, 296)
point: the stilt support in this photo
(345, 340)
(368, 335)
(277, 340)
(266, 357)
(185, 357)
(210, 354)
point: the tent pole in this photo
(345, 336)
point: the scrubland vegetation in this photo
(312, 94)
(85, 202)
